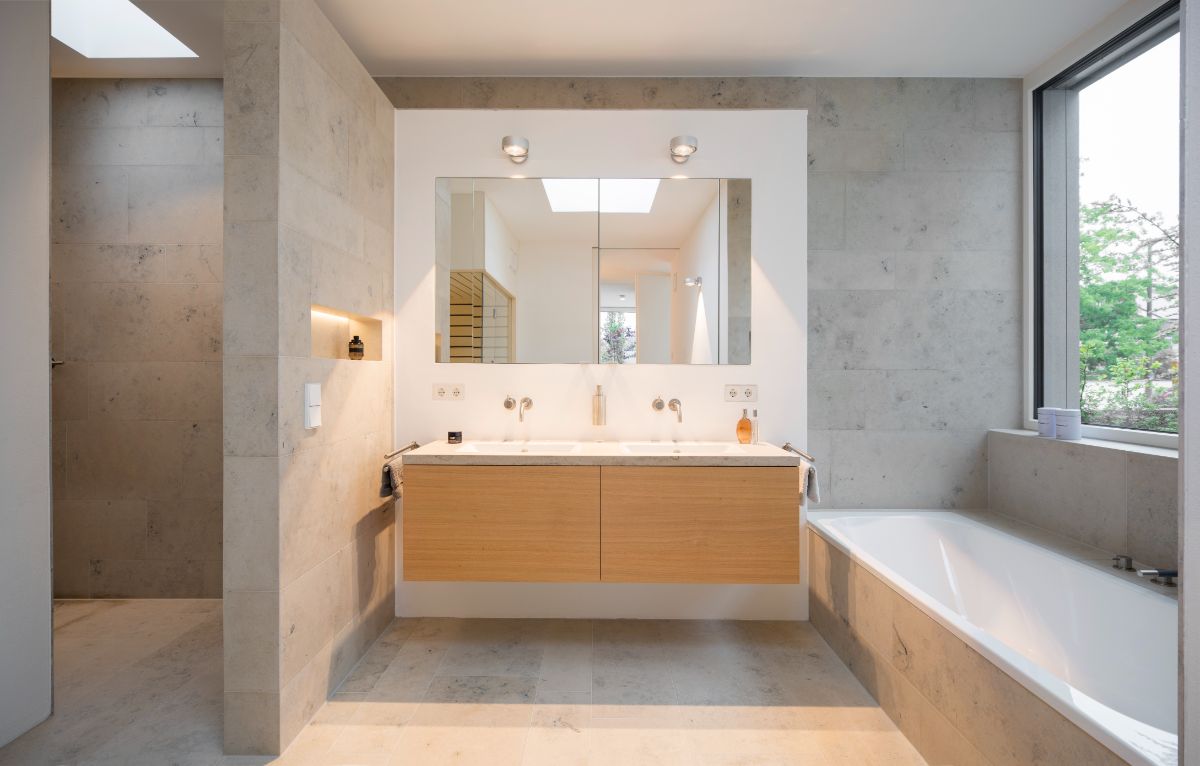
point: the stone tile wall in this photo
(914, 325)
(310, 548)
(1120, 500)
(951, 702)
(136, 316)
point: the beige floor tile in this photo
(139, 683)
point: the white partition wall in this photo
(767, 146)
(24, 365)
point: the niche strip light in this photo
(590, 195)
(112, 29)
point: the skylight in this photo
(112, 29)
(609, 195)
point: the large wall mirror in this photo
(609, 270)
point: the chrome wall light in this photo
(692, 282)
(683, 147)
(516, 147)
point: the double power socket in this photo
(740, 392)
(454, 392)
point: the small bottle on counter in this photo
(754, 427)
(745, 429)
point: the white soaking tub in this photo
(1098, 649)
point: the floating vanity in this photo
(620, 512)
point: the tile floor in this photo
(139, 683)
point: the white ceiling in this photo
(818, 38)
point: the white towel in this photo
(810, 486)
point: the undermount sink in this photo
(508, 448)
(680, 448)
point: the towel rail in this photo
(788, 446)
(411, 446)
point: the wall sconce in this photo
(692, 282)
(516, 147)
(683, 147)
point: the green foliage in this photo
(617, 340)
(1128, 317)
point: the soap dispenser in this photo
(745, 429)
(598, 407)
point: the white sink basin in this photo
(510, 448)
(681, 448)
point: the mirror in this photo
(615, 271)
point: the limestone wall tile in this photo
(250, 406)
(925, 469)
(251, 89)
(175, 203)
(251, 271)
(1068, 488)
(841, 270)
(977, 210)
(257, 717)
(979, 270)
(155, 390)
(1153, 489)
(250, 538)
(89, 204)
(251, 188)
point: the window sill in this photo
(1139, 449)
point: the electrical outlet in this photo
(740, 392)
(441, 391)
(458, 392)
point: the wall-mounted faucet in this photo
(676, 406)
(526, 404)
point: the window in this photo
(1106, 235)
(618, 336)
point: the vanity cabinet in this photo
(699, 525)
(502, 523)
(601, 523)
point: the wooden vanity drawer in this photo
(502, 523)
(699, 525)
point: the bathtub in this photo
(1099, 650)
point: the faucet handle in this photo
(1121, 561)
(658, 404)
(1160, 576)
(509, 402)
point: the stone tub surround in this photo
(914, 294)
(135, 295)
(952, 703)
(1116, 497)
(601, 453)
(310, 546)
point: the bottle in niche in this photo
(745, 430)
(356, 348)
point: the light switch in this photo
(312, 405)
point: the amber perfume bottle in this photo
(745, 429)
(356, 347)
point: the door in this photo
(25, 594)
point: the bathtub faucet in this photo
(1160, 576)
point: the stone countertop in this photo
(645, 453)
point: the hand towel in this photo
(392, 482)
(810, 486)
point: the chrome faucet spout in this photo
(526, 404)
(676, 406)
